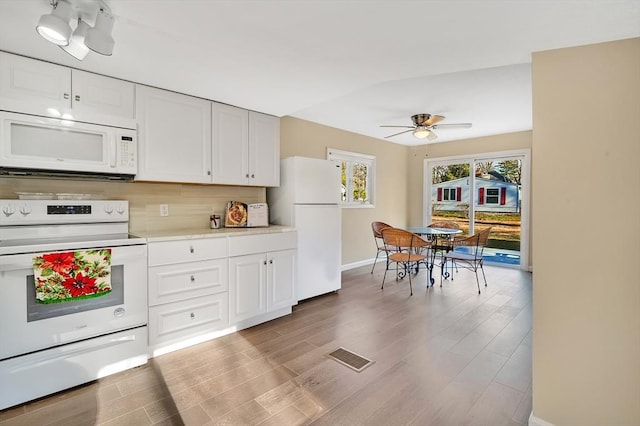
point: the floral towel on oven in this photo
(73, 275)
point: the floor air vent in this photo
(350, 359)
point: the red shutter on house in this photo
(503, 196)
(480, 195)
(439, 194)
(458, 194)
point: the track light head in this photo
(76, 46)
(54, 26)
(99, 37)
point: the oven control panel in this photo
(69, 209)
(45, 212)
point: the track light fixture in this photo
(55, 27)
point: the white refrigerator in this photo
(308, 199)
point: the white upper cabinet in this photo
(246, 147)
(98, 95)
(230, 144)
(174, 136)
(180, 138)
(264, 149)
(36, 87)
(27, 85)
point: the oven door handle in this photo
(47, 357)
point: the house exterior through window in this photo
(358, 171)
(492, 195)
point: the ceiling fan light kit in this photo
(424, 124)
(421, 132)
(54, 27)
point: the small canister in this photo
(215, 221)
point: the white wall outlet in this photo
(164, 210)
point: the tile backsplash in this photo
(189, 204)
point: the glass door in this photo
(450, 194)
(498, 183)
(480, 191)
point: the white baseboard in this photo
(535, 421)
(359, 263)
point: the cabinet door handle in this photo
(193, 279)
(265, 262)
(191, 249)
(208, 172)
(66, 96)
(192, 315)
(247, 175)
(252, 175)
(77, 97)
(271, 261)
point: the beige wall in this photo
(307, 139)
(586, 209)
(189, 205)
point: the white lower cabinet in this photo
(281, 270)
(188, 292)
(177, 322)
(248, 277)
(202, 288)
(172, 283)
(261, 277)
(261, 283)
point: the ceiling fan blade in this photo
(432, 136)
(396, 134)
(452, 126)
(404, 127)
(433, 120)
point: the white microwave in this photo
(33, 144)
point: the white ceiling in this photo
(348, 64)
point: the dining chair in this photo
(467, 252)
(381, 247)
(409, 252)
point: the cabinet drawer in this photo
(260, 243)
(187, 250)
(170, 283)
(181, 320)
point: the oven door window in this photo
(38, 311)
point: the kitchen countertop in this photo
(192, 233)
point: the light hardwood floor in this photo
(444, 356)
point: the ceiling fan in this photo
(424, 124)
